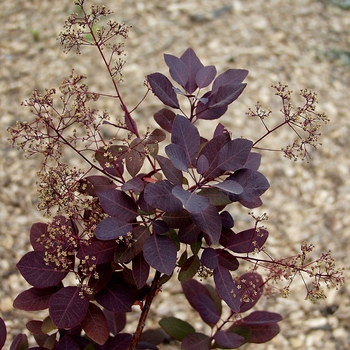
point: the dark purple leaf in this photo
(135, 157)
(124, 252)
(209, 222)
(38, 234)
(118, 204)
(156, 136)
(205, 76)
(185, 135)
(112, 161)
(226, 288)
(210, 258)
(37, 272)
(95, 325)
(191, 288)
(3, 333)
(153, 336)
(207, 309)
(104, 274)
(176, 328)
(216, 196)
(188, 234)
(263, 326)
(112, 228)
(192, 202)
(97, 183)
(202, 164)
(230, 186)
(20, 342)
(177, 69)
(159, 195)
(228, 340)
(196, 341)
(193, 65)
(180, 219)
(163, 89)
(229, 77)
(225, 95)
(173, 174)
(143, 205)
(189, 268)
(140, 270)
(254, 184)
(247, 241)
(226, 219)
(211, 152)
(100, 251)
(220, 130)
(34, 299)
(251, 289)
(68, 307)
(234, 154)
(204, 112)
(251, 203)
(178, 157)
(116, 321)
(134, 184)
(67, 343)
(253, 161)
(165, 118)
(160, 253)
(116, 296)
(226, 259)
(121, 341)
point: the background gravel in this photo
(305, 43)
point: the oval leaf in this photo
(247, 241)
(205, 76)
(176, 328)
(196, 341)
(112, 228)
(192, 202)
(228, 340)
(207, 309)
(177, 69)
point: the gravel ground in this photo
(305, 43)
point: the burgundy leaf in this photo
(38, 233)
(34, 299)
(204, 112)
(253, 161)
(185, 135)
(121, 341)
(163, 89)
(115, 296)
(226, 288)
(207, 309)
(263, 326)
(191, 288)
(192, 202)
(180, 219)
(112, 228)
(228, 340)
(229, 77)
(134, 184)
(209, 222)
(159, 195)
(210, 258)
(67, 343)
(104, 274)
(160, 253)
(227, 260)
(156, 136)
(254, 184)
(234, 154)
(20, 342)
(173, 174)
(202, 164)
(230, 186)
(3, 333)
(205, 76)
(178, 157)
(251, 202)
(116, 321)
(165, 118)
(196, 341)
(97, 183)
(160, 227)
(37, 272)
(251, 289)
(124, 252)
(188, 234)
(130, 122)
(135, 157)
(100, 251)
(193, 65)
(68, 307)
(220, 130)
(247, 241)
(118, 204)
(113, 163)
(225, 95)
(226, 219)
(177, 69)
(140, 270)
(95, 325)
(153, 336)
(211, 152)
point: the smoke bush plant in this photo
(135, 216)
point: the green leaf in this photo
(176, 328)
(189, 268)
